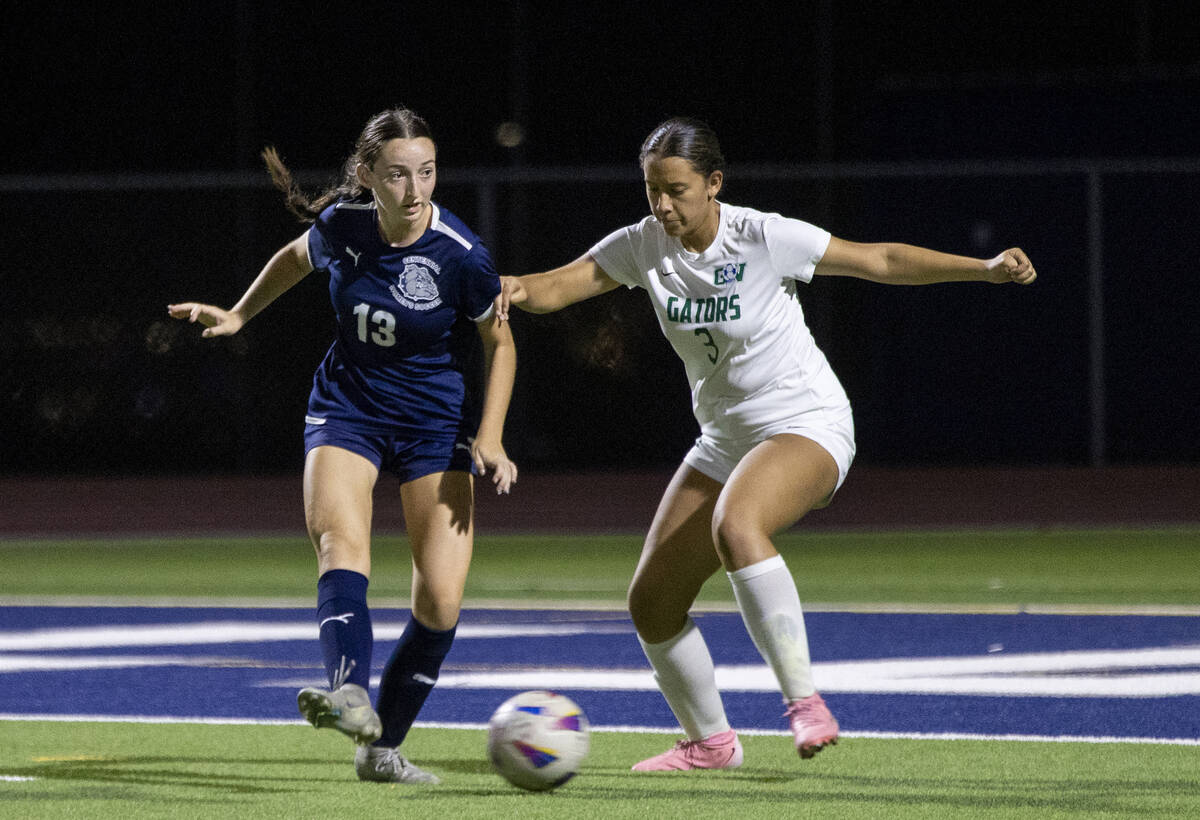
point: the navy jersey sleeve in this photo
(480, 283)
(320, 248)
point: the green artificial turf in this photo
(126, 771)
(985, 568)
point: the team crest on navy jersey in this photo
(416, 287)
(729, 272)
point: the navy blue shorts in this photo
(406, 457)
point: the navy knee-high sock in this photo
(345, 627)
(409, 677)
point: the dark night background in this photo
(1071, 129)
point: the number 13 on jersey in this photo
(384, 325)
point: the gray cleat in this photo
(383, 765)
(347, 709)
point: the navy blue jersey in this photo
(405, 319)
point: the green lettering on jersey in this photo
(712, 309)
(685, 315)
(673, 308)
(722, 308)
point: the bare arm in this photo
(287, 267)
(895, 264)
(555, 289)
(500, 368)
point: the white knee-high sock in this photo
(684, 670)
(770, 606)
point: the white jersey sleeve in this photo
(795, 246)
(618, 255)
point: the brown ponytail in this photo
(395, 123)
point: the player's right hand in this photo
(512, 292)
(217, 322)
(491, 455)
(1011, 266)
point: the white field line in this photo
(1135, 673)
(1082, 674)
(65, 663)
(945, 676)
(224, 632)
(616, 605)
(945, 736)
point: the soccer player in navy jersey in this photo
(411, 287)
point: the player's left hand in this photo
(1011, 266)
(491, 455)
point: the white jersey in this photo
(730, 312)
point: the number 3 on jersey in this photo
(384, 332)
(708, 342)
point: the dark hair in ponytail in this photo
(395, 123)
(688, 139)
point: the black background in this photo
(131, 179)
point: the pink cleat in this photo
(720, 751)
(813, 726)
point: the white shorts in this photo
(730, 431)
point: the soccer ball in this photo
(536, 740)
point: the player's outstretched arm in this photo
(553, 290)
(898, 264)
(287, 267)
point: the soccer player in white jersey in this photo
(412, 287)
(777, 435)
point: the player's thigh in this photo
(677, 557)
(438, 514)
(338, 487)
(773, 487)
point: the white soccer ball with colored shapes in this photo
(537, 740)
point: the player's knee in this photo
(735, 536)
(656, 616)
(645, 609)
(336, 550)
(639, 603)
(440, 615)
(437, 598)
